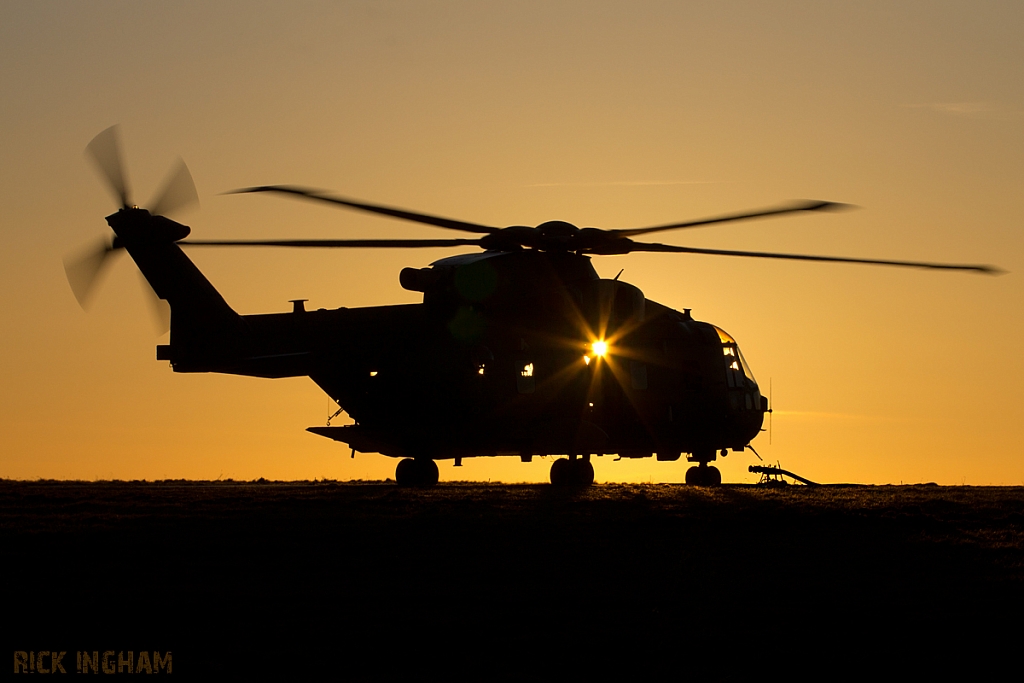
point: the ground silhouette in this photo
(372, 581)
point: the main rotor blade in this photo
(334, 244)
(988, 270)
(427, 219)
(788, 208)
(105, 152)
(84, 270)
(178, 192)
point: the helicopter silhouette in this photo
(518, 350)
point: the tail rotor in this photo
(177, 194)
(85, 267)
(105, 151)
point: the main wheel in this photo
(703, 476)
(428, 472)
(561, 472)
(406, 474)
(416, 472)
(582, 472)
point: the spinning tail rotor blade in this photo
(402, 214)
(810, 205)
(988, 270)
(84, 270)
(105, 152)
(178, 192)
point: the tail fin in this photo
(206, 332)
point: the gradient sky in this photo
(611, 114)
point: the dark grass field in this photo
(509, 582)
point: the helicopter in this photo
(518, 350)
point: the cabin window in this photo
(481, 357)
(524, 376)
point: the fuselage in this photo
(499, 360)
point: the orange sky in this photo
(611, 114)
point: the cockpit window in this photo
(737, 371)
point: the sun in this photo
(600, 348)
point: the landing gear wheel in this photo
(429, 474)
(565, 472)
(561, 472)
(583, 472)
(419, 472)
(405, 473)
(703, 475)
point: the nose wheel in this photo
(572, 472)
(416, 472)
(703, 475)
